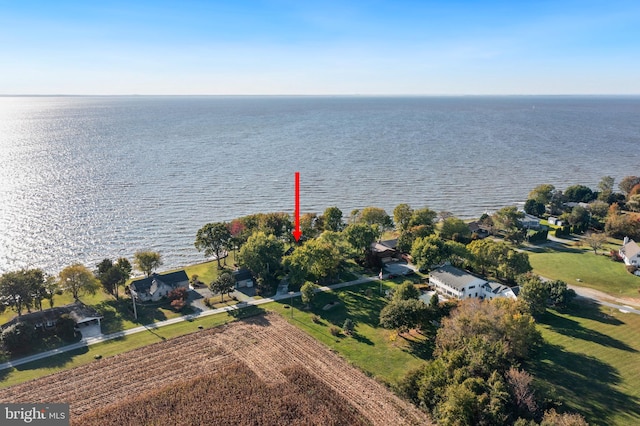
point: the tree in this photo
(408, 236)
(406, 291)
(402, 215)
(534, 207)
(428, 252)
(308, 292)
(627, 183)
(65, 328)
(403, 315)
(178, 298)
(595, 240)
(348, 326)
(361, 235)
(376, 216)
(543, 193)
(333, 219)
(147, 261)
(633, 203)
(606, 188)
(559, 293)
(213, 238)
(262, 255)
(15, 291)
(507, 219)
(534, 293)
(622, 225)
(112, 275)
(224, 284)
(579, 194)
(309, 225)
(423, 217)
(18, 338)
(78, 279)
(598, 209)
(454, 229)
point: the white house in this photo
(157, 286)
(630, 252)
(453, 282)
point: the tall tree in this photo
(112, 275)
(606, 188)
(147, 261)
(308, 292)
(579, 194)
(376, 216)
(262, 255)
(534, 293)
(402, 215)
(213, 238)
(224, 284)
(542, 193)
(14, 290)
(423, 217)
(333, 219)
(454, 229)
(78, 279)
(627, 183)
(507, 219)
(361, 235)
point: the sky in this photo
(308, 47)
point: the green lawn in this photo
(599, 272)
(591, 358)
(376, 351)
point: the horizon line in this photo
(9, 95)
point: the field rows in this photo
(268, 345)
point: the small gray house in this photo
(155, 287)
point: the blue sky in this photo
(320, 47)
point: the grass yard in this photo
(377, 351)
(591, 359)
(572, 263)
(87, 354)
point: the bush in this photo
(348, 326)
(315, 319)
(335, 331)
(631, 269)
(17, 338)
(208, 302)
(65, 328)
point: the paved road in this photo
(105, 337)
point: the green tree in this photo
(408, 236)
(147, 261)
(224, 284)
(633, 203)
(454, 229)
(78, 279)
(402, 216)
(534, 293)
(112, 275)
(606, 188)
(579, 194)
(361, 235)
(428, 252)
(406, 291)
(213, 238)
(348, 326)
(559, 293)
(534, 207)
(65, 328)
(595, 240)
(333, 219)
(543, 193)
(262, 255)
(18, 338)
(308, 292)
(423, 217)
(507, 219)
(376, 216)
(15, 290)
(403, 315)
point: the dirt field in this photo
(267, 345)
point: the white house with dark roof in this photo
(630, 252)
(158, 286)
(453, 282)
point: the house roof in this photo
(477, 227)
(171, 279)
(495, 288)
(78, 311)
(392, 244)
(242, 275)
(454, 277)
(630, 249)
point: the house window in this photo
(472, 286)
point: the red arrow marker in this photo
(297, 233)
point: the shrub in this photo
(207, 302)
(335, 331)
(315, 319)
(631, 269)
(348, 326)
(17, 338)
(65, 328)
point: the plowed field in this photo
(267, 345)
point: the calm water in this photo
(92, 177)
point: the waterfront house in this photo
(630, 252)
(453, 282)
(86, 319)
(155, 287)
